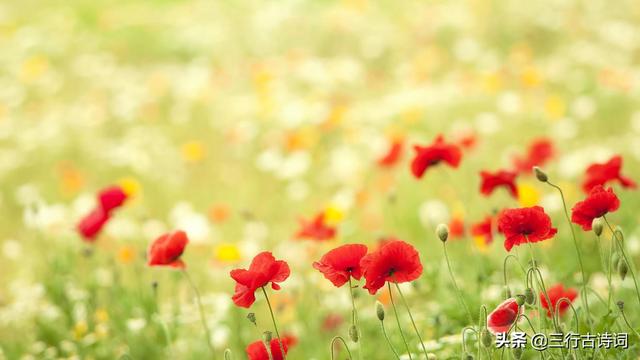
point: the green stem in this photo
(384, 332)
(354, 318)
(333, 341)
(455, 285)
(275, 325)
(624, 254)
(628, 324)
(575, 243)
(404, 301)
(203, 319)
(395, 312)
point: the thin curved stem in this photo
(275, 325)
(540, 280)
(575, 314)
(455, 284)
(406, 305)
(395, 312)
(344, 343)
(464, 343)
(354, 318)
(628, 324)
(201, 309)
(384, 332)
(624, 254)
(504, 268)
(575, 243)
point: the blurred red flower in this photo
(111, 197)
(167, 249)
(456, 228)
(264, 269)
(500, 178)
(530, 224)
(343, 262)
(317, 229)
(439, 150)
(598, 203)
(395, 261)
(393, 155)
(502, 318)
(556, 293)
(92, 223)
(484, 229)
(258, 351)
(540, 151)
(601, 174)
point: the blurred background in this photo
(233, 120)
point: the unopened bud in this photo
(227, 354)
(618, 232)
(623, 268)
(267, 336)
(520, 299)
(620, 304)
(529, 297)
(517, 352)
(252, 317)
(468, 356)
(540, 175)
(486, 338)
(597, 226)
(615, 260)
(380, 310)
(353, 333)
(443, 232)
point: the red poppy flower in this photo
(316, 229)
(167, 249)
(264, 269)
(258, 351)
(396, 261)
(332, 321)
(502, 318)
(343, 262)
(484, 229)
(601, 174)
(456, 228)
(90, 225)
(439, 150)
(556, 293)
(393, 155)
(598, 203)
(500, 178)
(523, 225)
(467, 140)
(539, 152)
(111, 198)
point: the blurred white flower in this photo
(136, 324)
(432, 213)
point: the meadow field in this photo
(355, 179)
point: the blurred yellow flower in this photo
(101, 315)
(33, 68)
(528, 195)
(130, 186)
(333, 215)
(71, 178)
(126, 254)
(193, 151)
(492, 82)
(531, 77)
(336, 115)
(219, 213)
(80, 329)
(480, 243)
(227, 252)
(555, 107)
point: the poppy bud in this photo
(615, 260)
(517, 352)
(620, 304)
(529, 297)
(443, 232)
(227, 354)
(540, 175)
(597, 226)
(380, 310)
(468, 356)
(252, 317)
(623, 268)
(520, 299)
(618, 232)
(486, 338)
(267, 337)
(353, 333)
